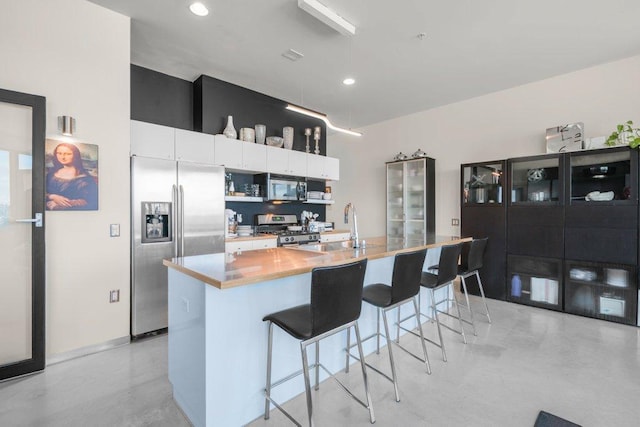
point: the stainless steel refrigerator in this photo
(177, 209)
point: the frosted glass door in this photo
(395, 200)
(22, 237)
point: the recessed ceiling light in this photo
(199, 9)
(348, 81)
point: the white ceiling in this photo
(472, 48)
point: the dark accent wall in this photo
(161, 99)
(203, 106)
(215, 100)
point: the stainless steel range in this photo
(286, 228)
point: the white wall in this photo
(510, 123)
(77, 55)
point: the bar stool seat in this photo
(336, 301)
(405, 285)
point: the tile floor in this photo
(584, 370)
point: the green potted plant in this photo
(625, 134)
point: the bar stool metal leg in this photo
(372, 416)
(317, 365)
(435, 313)
(424, 346)
(466, 296)
(307, 385)
(378, 330)
(482, 293)
(393, 365)
(346, 363)
(268, 386)
(455, 302)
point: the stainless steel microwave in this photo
(284, 188)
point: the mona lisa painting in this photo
(72, 176)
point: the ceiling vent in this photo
(293, 55)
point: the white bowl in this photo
(326, 196)
(275, 141)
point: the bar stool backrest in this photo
(475, 255)
(448, 264)
(407, 272)
(336, 295)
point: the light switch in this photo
(114, 230)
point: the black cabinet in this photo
(536, 281)
(601, 290)
(572, 223)
(483, 214)
(535, 231)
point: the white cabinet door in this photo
(332, 168)
(228, 152)
(297, 163)
(150, 140)
(254, 157)
(194, 146)
(315, 166)
(277, 160)
(239, 246)
(334, 237)
(265, 243)
(322, 167)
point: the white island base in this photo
(218, 343)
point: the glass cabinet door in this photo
(536, 181)
(395, 200)
(415, 199)
(482, 183)
(603, 176)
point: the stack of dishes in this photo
(315, 195)
(245, 230)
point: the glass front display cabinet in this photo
(601, 290)
(482, 183)
(536, 181)
(410, 199)
(535, 281)
(607, 176)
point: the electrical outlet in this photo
(114, 230)
(455, 222)
(114, 296)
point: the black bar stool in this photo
(405, 285)
(447, 273)
(471, 262)
(336, 301)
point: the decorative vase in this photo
(287, 136)
(261, 134)
(230, 131)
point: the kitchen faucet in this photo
(354, 236)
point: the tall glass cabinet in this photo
(411, 199)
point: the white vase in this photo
(230, 131)
(287, 136)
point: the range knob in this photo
(286, 239)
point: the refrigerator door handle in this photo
(181, 220)
(174, 197)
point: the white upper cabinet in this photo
(163, 142)
(254, 157)
(286, 162)
(322, 167)
(150, 140)
(228, 152)
(240, 155)
(194, 147)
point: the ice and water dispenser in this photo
(156, 222)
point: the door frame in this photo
(38, 128)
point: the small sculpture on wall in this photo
(307, 133)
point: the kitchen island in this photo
(218, 341)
